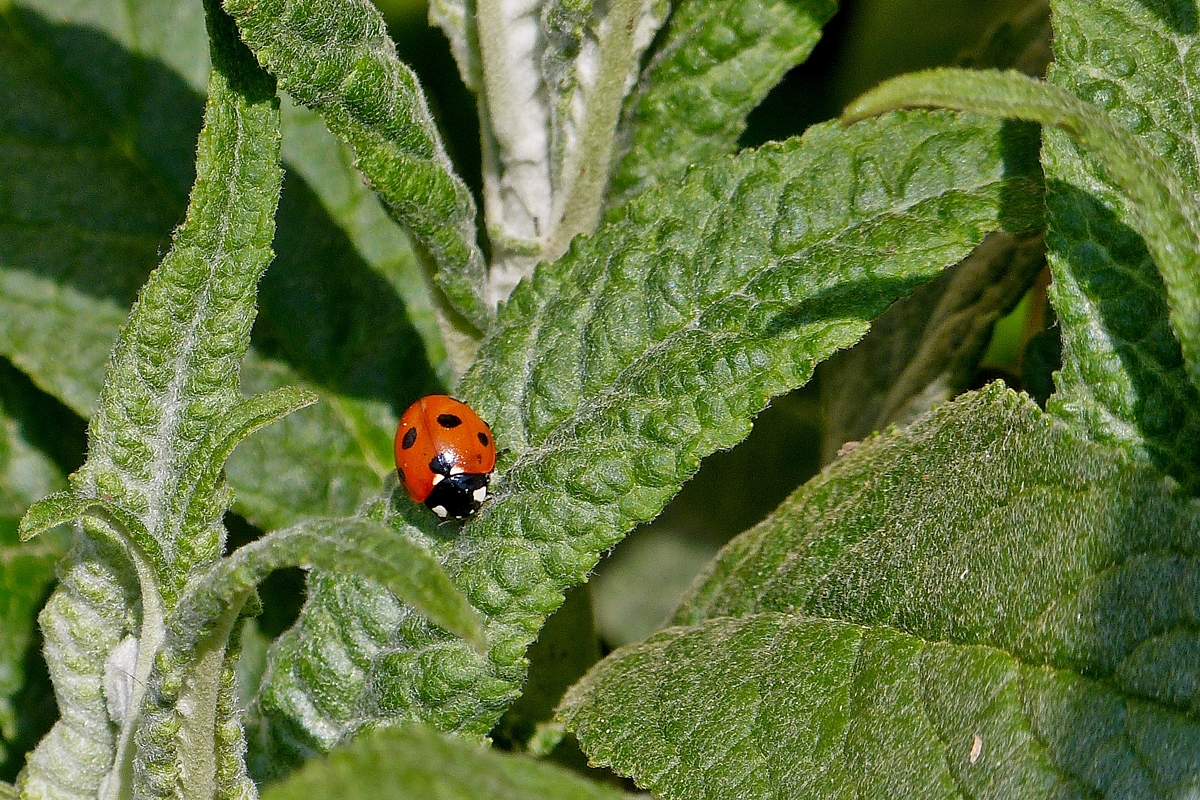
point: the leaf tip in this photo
(52, 510)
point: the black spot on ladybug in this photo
(410, 438)
(449, 420)
(483, 440)
(439, 465)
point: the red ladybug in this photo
(445, 454)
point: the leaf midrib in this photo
(1030, 625)
(607, 396)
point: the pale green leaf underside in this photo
(415, 763)
(170, 398)
(985, 572)
(170, 412)
(773, 705)
(716, 62)
(336, 58)
(84, 620)
(1163, 424)
(614, 371)
(1123, 377)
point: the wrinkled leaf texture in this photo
(614, 371)
(981, 605)
(1123, 377)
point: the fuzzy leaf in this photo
(173, 375)
(415, 763)
(170, 407)
(85, 620)
(83, 241)
(554, 75)
(55, 509)
(614, 371)
(979, 605)
(456, 18)
(336, 58)
(589, 65)
(717, 61)
(1122, 377)
(1161, 422)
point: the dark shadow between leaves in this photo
(1178, 15)
(103, 223)
(34, 705)
(1114, 270)
(1022, 203)
(334, 319)
(868, 298)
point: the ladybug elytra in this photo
(445, 454)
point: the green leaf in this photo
(206, 618)
(614, 371)
(69, 77)
(350, 546)
(55, 509)
(26, 571)
(1161, 208)
(169, 408)
(1122, 377)
(415, 762)
(717, 61)
(978, 605)
(91, 226)
(173, 375)
(337, 59)
(776, 705)
(927, 347)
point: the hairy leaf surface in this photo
(170, 413)
(1160, 206)
(613, 372)
(415, 763)
(96, 210)
(974, 606)
(716, 62)
(1122, 374)
(336, 58)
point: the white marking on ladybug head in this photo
(440, 511)
(480, 494)
(457, 470)
(438, 478)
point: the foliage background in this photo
(363, 335)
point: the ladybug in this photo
(445, 455)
